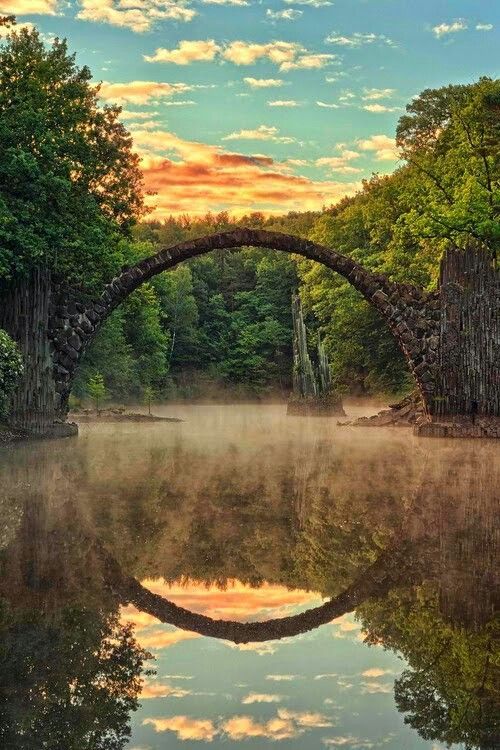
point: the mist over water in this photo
(242, 513)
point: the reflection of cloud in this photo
(178, 676)
(376, 687)
(185, 727)
(238, 601)
(161, 690)
(261, 698)
(345, 624)
(310, 719)
(245, 727)
(351, 742)
(165, 638)
(375, 672)
(263, 649)
(325, 676)
(282, 677)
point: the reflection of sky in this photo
(319, 690)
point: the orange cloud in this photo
(140, 92)
(138, 16)
(185, 727)
(193, 177)
(29, 7)
(383, 147)
(186, 53)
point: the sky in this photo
(324, 689)
(269, 105)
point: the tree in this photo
(96, 389)
(11, 367)
(148, 396)
(70, 184)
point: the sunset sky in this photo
(269, 105)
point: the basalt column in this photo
(24, 314)
(467, 392)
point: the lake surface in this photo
(242, 514)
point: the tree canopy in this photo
(70, 184)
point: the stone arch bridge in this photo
(450, 338)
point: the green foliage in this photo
(96, 389)
(11, 367)
(69, 182)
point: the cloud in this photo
(226, 2)
(262, 133)
(6, 30)
(193, 177)
(286, 55)
(325, 676)
(138, 16)
(185, 727)
(383, 147)
(312, 3)
(288, 14)
(375, 672)
(327, 105)
(186, 53)
(264, 83)
(247, 53)
(371, 94)
(378, 108)
(484, 27)
(282, 677)
(29, 7)
(162, 690)
(283, 103)
(140, 92)
(359, 39)
(443, 29)
(261, 698)
(178, 676)
(308, 62)
(340, 164)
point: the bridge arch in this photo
(411, 314)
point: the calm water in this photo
(242, 514)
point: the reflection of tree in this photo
(70, 672)
(66, 681)
(451, 691)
